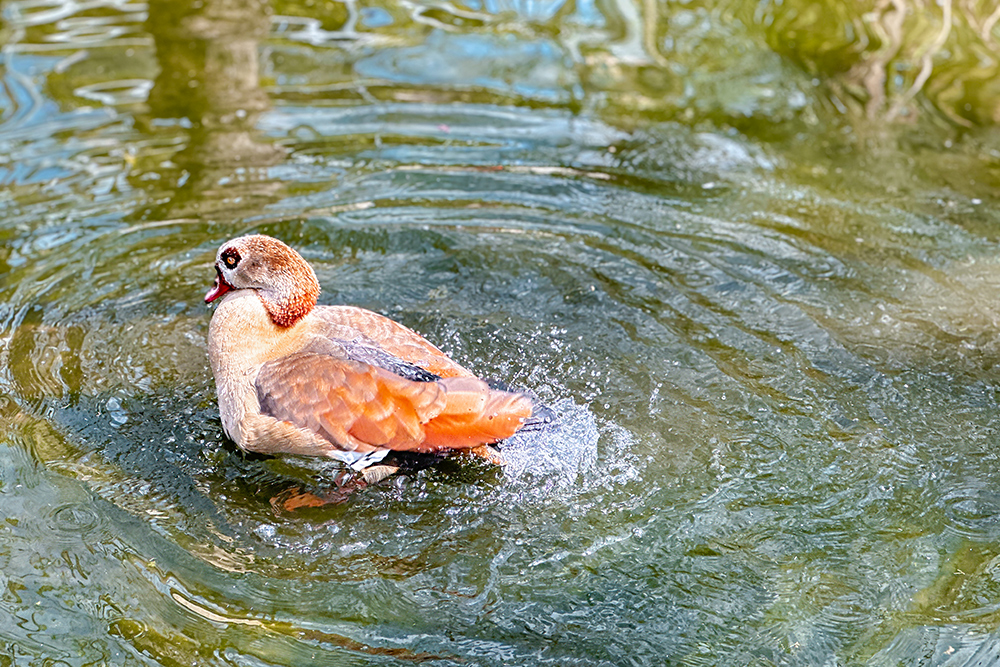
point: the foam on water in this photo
(561, 451)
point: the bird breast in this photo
(241, 339)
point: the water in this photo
(746, 253)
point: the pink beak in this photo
(219, 288)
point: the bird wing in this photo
(361, 407)
(354, 405)
(352, 323)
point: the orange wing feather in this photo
(362, 407)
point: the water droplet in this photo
(116, 412)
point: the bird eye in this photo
(231, 258)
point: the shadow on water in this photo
(764, 313)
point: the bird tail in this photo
(474, 414)
(541, 414)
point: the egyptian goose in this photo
(337, 381)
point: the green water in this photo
(746, 250)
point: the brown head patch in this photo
(284, 280)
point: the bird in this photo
(340, 381)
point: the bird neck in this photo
(292, 297)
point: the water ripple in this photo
(775, 393)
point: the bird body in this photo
(336, 381)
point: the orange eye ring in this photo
(230, 257)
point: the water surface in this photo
(747, 251)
